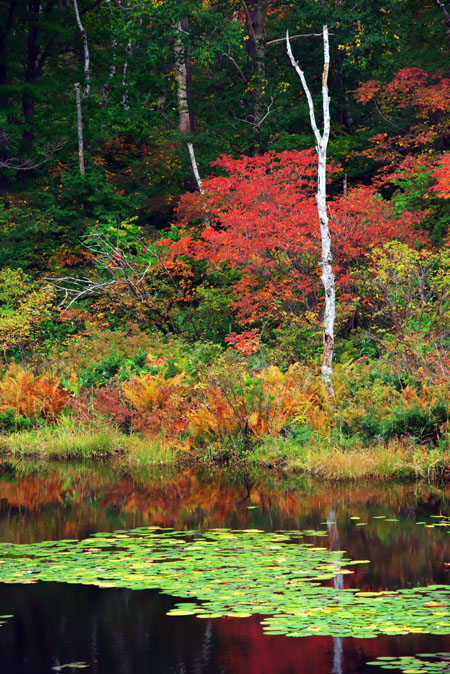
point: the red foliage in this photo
(442, 175)
(261, 219)
(424, 96)
(245, 343)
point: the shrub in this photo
(254, 405)
(32, 396)
(159, 403)
(24, 306)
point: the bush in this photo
(31, 396)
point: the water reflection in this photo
(127, 632)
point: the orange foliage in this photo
(158, 403)
(30, 395)
(262, 406)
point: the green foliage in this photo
(113, 366)
(10, 422)
(24, 306)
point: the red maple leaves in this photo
(260, 220)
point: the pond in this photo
(219, 546)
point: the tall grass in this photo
(394, 459)
(80, 442)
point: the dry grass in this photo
(395, 459)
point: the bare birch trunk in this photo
(182, 69)
(80, 128)
(321, 197)
(87, 72)
(87, 89)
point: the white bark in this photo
(184, 122)
(125, 102)
(195, 168)
(87, 72)
(321, 197)
(80, 128)
(112, 72)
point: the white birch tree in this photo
(321, 196)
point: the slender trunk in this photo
(112, 71)
(87, 82)
(321, 197)
(125, 102)
(445, 12)
(79, 128)
(184, 81)
(256, 14)
(87, 72)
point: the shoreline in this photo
(392, 460)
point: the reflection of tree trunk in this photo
(184, 81)
(256, 13)
(338, 582)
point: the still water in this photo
(120, 631)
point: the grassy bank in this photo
(350, 460)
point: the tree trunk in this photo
(87, 82)
(184, 81)
(112, 71)
(321, 197)
(256, 14)
(445, 12)
(80, 128)
(125, 101)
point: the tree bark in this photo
(80, 128)
(87, 72)
(112, 71)
(184, 81)
(256, 14)
(195, 168)
(125, 101)
(321, 197)
(444, 10)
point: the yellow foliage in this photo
(151, 392)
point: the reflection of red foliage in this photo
(244, 649)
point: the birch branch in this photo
(195, 168)
(301, 74)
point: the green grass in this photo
(339, 458)
(67, 442)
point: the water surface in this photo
(119, 631)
